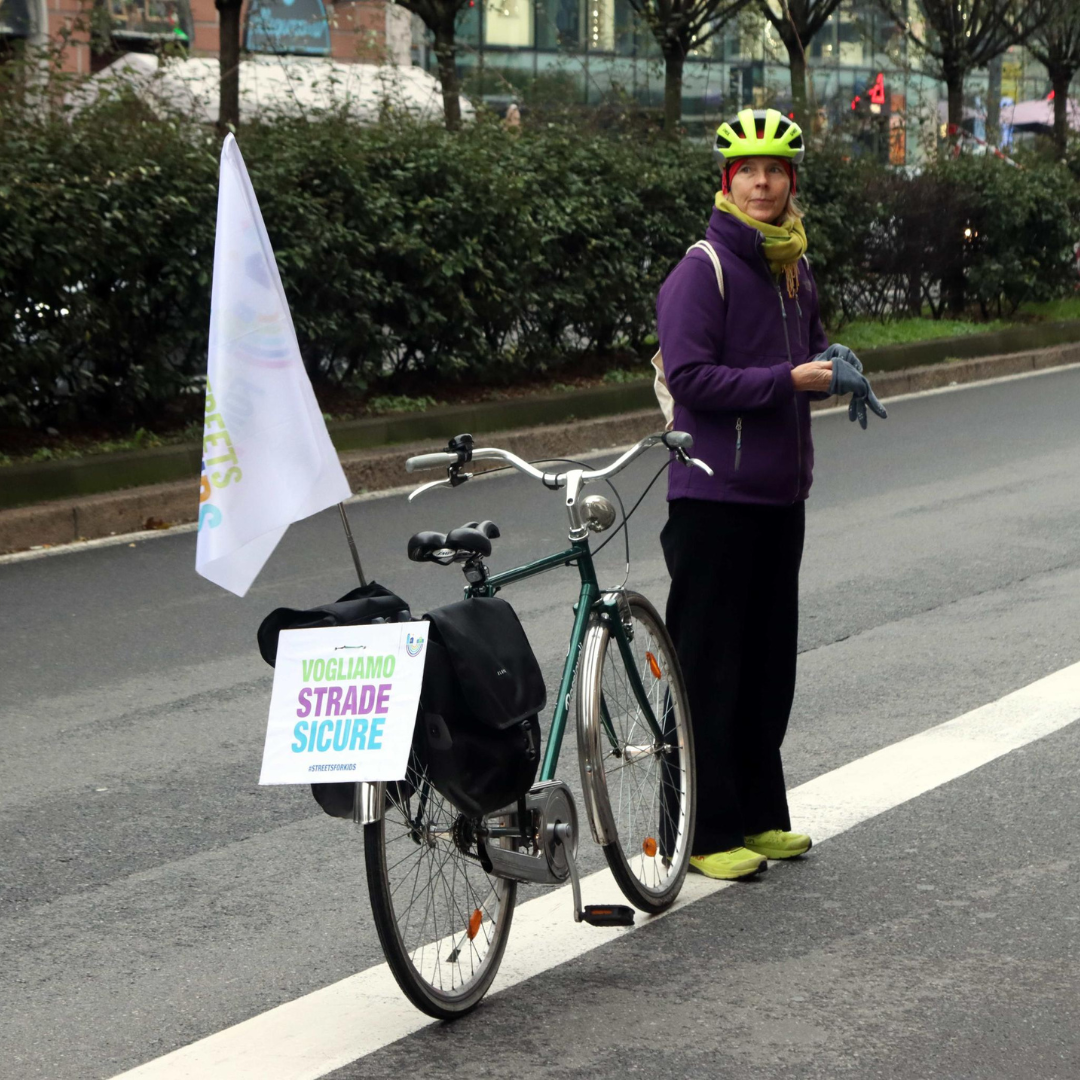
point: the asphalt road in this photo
(152, 894)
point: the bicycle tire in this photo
(649, 825)
(442, 920)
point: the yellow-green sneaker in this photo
(777, 844)
(729, 865)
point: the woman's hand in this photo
(816, 375)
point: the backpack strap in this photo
(709, 250)
(660, 386)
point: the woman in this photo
(741, 368)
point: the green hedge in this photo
(412, 257)
(962, 236)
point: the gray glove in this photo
(847, 380)
(840, 352)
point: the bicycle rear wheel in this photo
(639, 789)
(442, 920)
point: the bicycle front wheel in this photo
(442, 920)
(639, 786)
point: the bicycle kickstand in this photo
(593, 914)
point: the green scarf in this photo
(785, 244)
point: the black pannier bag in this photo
(478, 731)
(371, 603)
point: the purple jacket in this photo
(728, 365)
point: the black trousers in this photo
(733, 613)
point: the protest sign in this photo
(344, 703)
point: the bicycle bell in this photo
(598, 513)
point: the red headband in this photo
(735, 163)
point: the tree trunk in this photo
(953, 284)
(446, 54)
(954, 80)
(229, 63)
(1060, 81)
(674, 59)
(993, 101)
(797, 65)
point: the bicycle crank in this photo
(546, 852)
(593, 914)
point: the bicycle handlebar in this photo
(679, 441)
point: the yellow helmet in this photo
(760, 133)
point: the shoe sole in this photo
(774, 854)
(759, 869)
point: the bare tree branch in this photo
(679, 26)
(1056, 45)
(796, 22)
(966, 34)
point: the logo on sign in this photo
(414, 644)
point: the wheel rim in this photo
(448, 913)
(646, 786)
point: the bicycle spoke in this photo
(444, 910)
(646, 781)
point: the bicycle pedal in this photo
(607, 915)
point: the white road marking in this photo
(138, 537)
(313, 1035)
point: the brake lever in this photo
(692, 462)
(455, 481)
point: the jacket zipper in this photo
(738, 442)
(798, 422)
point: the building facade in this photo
(543, 52)
(368, 31)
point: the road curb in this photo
(92, 517)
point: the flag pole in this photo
(352, 544)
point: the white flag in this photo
(267, 456)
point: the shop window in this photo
(16, 22)
(851, 35)
(600, 20)
(823, 45)
(468, 24)
(287, 26)
(509, 22)
(559, 24)
(144, 24)
(625, 28)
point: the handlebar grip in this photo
(429, 461)
(678, 440)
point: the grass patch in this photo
(860, 335)
(1054, 310)
(397, 403)
(620, 375)
(61, 448)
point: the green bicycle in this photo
(442, 885)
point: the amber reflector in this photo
(653, 665)
(474, 923)
(649, 846)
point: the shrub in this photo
(961, 232)
(413, 258)
(410, 256)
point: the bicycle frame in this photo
(368, 803)
(590, 600)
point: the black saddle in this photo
(472, 538)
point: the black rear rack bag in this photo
(479, 732)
